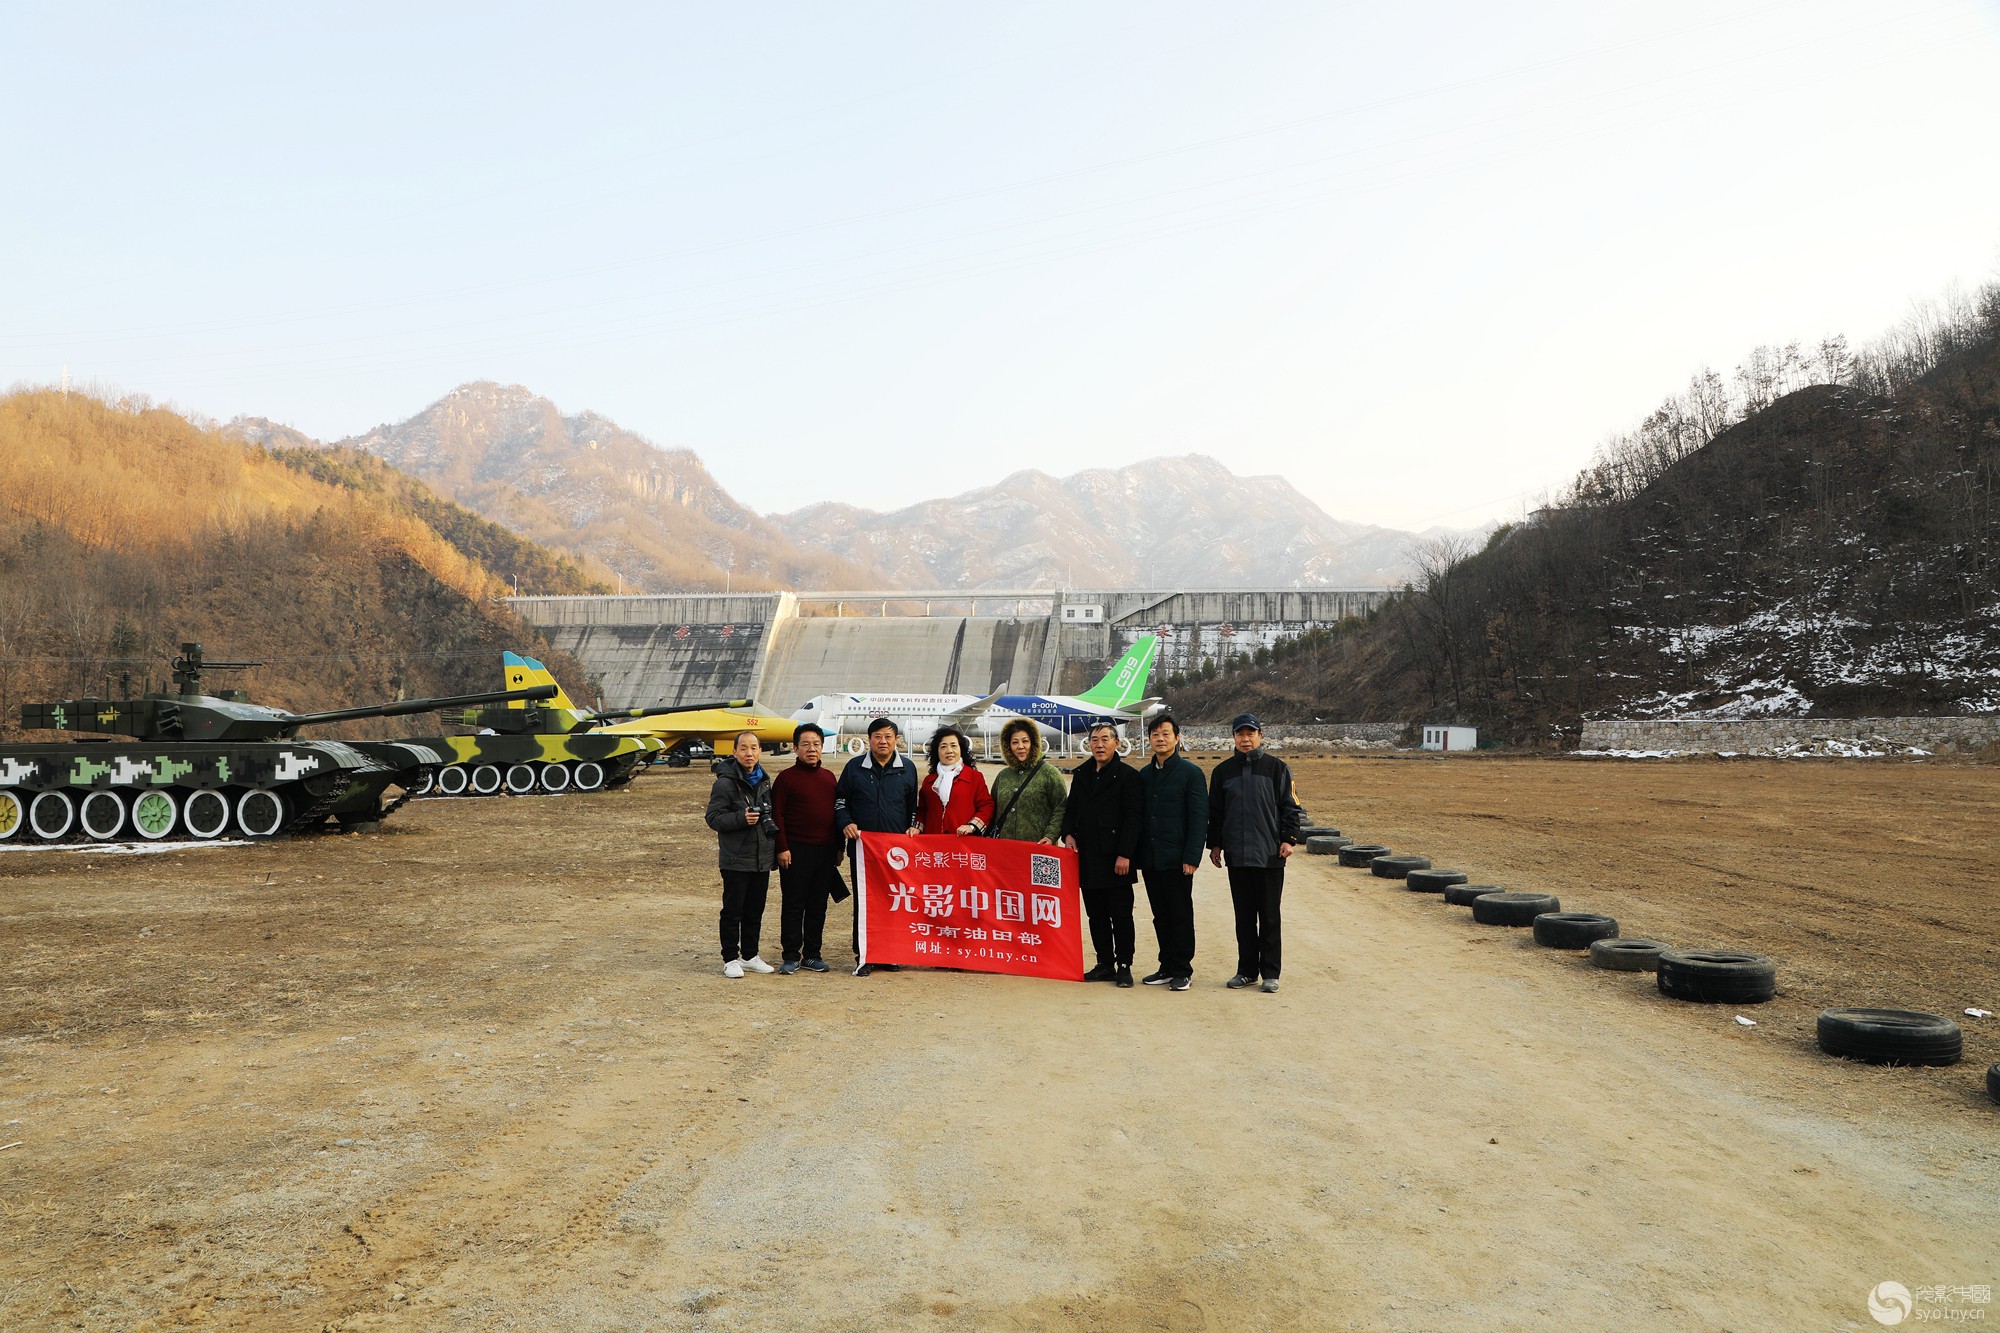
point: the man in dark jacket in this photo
(877, 793)
(1253, 824)
(1176, 799)
(739, 810)
(1103, 821)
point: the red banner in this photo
(983, 904)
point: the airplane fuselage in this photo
(920, 715)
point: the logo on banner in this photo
(898, 858)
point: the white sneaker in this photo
(732, 969)
(757, 964)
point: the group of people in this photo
(1124, 822)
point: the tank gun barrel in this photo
(627, 714)
(424, 705)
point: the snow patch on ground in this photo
(120, 848)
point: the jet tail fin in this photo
(525, 671)
(1125, 684)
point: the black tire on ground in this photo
(1461, 895)
(1993, 1083)
(1359, 854)
(1512, 909)
(1395, 867)
(1615, 955)
(1324, 844)
(1890, 1037)
(1320, 831)
(1432, 881)
(1717, 976)
(1573, 930)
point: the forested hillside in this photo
(1821, 537)
(126, 529)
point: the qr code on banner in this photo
(1044, 871)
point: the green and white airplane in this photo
(1119, 697)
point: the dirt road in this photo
(481, 1071)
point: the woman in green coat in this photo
(1028, 794)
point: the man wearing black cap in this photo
(1253, 824)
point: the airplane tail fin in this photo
(1125, 684)
(522, 672)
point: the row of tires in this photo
(1706, 976)
(514, 779)
(106, 814)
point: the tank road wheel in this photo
(486, 779)
(425, 780)
(13, 814)
(259, 813)
(153, 814)
(205, 814)
(589, 775)
(521, 779)
(50, 814)
(555, 778)
(102, 815)
(453, 779)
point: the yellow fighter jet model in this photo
(718, 727)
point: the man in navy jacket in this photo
(877, 793)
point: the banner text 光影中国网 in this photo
(981, 904)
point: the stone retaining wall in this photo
(1304, 736)
(1938, 735)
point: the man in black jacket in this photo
(1253, 824)
(1176, 795)
(1103, 821)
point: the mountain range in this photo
(655, 519)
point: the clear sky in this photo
(1420, 259)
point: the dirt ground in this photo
(480, 1070)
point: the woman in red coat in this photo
(954, 797)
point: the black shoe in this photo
(1102, 972)
(888, 967)
(1180, 983)
(814, 965)
(1124, 978)
(1239, 981)
(864, 969)
(1160, 978)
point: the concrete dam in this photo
(783, 648)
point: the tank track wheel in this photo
(102, 814)
(13, 814)
(205, 813)
(154, 813)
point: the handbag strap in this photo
(1015, 799)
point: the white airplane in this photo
(1120, 696)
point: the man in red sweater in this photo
(809, 848)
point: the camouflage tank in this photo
(543, 749)
(198, 765)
